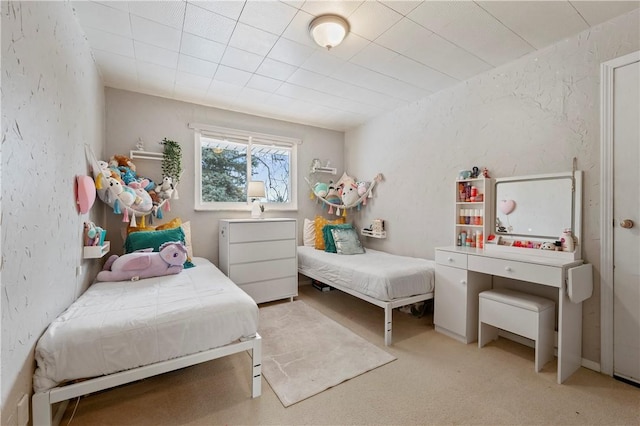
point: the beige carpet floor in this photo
(435, 380)
(305, 352)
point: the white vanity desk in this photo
(463, 272)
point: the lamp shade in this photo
(328, 30)
(256, 189)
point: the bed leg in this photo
(256, 355)
(388, 316)
(41, 409)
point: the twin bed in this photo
(120, 332)
(385, 280)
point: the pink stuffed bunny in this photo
(145, 263)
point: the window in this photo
(226, 160)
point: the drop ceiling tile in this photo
(99, 16)
(189, 94)
(223, 88)
(170, 13)
(154, 72)
(197, 66)
(403, 35)
(469, 26)
(372, 19)
(341, 8)
(539, 23)
(271, 16)
(275, 69)
(306, 78)
(121, 5)
(202, 48)
(232, 75)
(113, 43)
(193, 81)
(446, 57)
(252, 39)
(249, 96)
(298, 29)
(230, 9)
(155, 55)
(415, 73)
(156, 88)
(207, 24)
(156, 34)
(374, 56)
(322, 62)
(596, 12)
(264, 84)
(116, 67)
(290, 52)
(240, 59)
(402, 7)
(351, 45)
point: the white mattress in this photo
(117, 326)
(380, 275)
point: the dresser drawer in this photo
(266, 250)
(517, 270)
(261, 271)
(266, 291)
(449, 258)
(262, 231)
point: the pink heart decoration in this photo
(507, 206)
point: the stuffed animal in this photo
(122, 160)
(165, 189)
(127, 174)
(332, 194)
(362, 189)
(547, 246)
(119, 192)
(321, 189)
(145, 264)
(349, 194)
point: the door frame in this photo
(606, 207)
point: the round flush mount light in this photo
(328, 30)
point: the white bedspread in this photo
(380, 275)
(116, 326)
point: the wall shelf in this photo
(96, 252)
(146, 155)
(370, 233)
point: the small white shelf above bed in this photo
(96, 252)
(373, 234)
(146, 155)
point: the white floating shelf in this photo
(146, 155)
(96, 252)
(331, 170)
(368, 233)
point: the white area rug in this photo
(305, 353)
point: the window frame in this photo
(248, 137)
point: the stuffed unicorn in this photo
(145, 263)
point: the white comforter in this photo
(380, 275)
(116, 326)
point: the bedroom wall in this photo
(130, 116)
(52, 104)
(531, 116)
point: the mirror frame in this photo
(576, 206)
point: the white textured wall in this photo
(52, 104)
(531, 116)
(130, 116)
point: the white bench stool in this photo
(524, 314)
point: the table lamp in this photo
(255, 191)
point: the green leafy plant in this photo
(172, 160)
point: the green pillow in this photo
(329, 244)
(154, 239)
(347, 241)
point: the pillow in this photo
(154, 239)
(131, 229)
(309, 233)
(347, 241)
(329, 244)
(319, 223)
(170, 225)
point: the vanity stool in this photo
(520, 313)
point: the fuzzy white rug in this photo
(305, 352)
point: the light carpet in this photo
(305, 353)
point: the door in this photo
(626, 223)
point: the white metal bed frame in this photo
(42, 402)
(387, 306)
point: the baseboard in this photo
(591, 365)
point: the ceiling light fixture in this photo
(328, 30)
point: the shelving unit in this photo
(146, 155)
(474, 198)
(96, 252)
(372, 234)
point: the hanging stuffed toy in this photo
(362, 189)
(332, 196)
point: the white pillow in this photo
(186, 228)
(309, 233)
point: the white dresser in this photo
(260, 256)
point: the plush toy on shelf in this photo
(165, 189)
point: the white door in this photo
(626, 235)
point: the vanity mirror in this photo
(538, 208)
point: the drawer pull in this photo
(508, 268)
(463, 282)
(450, 259)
